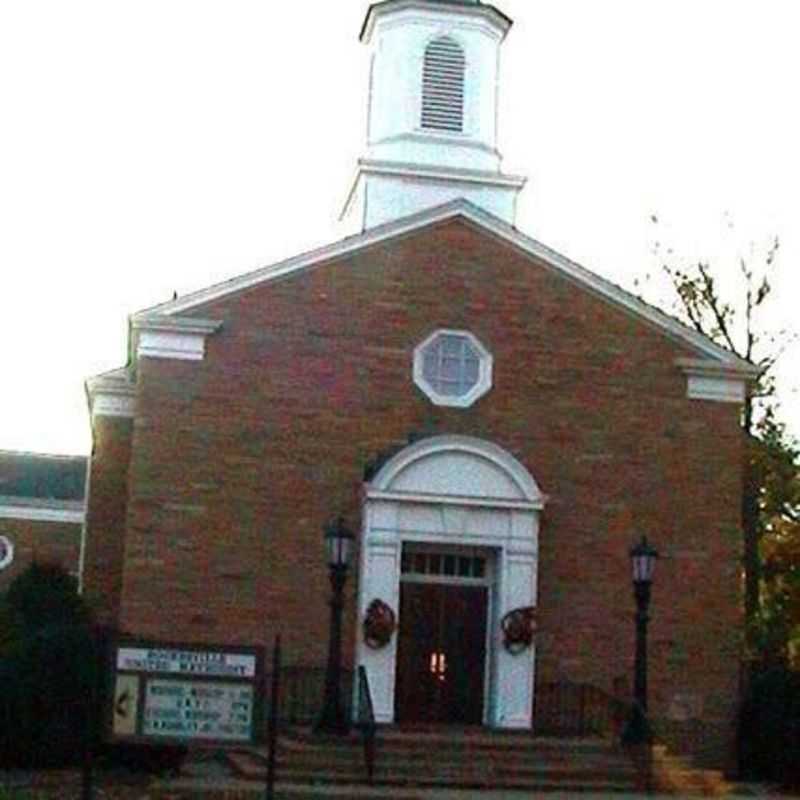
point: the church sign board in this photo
(166, 693)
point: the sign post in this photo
(185, 694)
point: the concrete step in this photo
(460, 765)
(458, 739)
(244, 790)
(608, 774)
(355, 755)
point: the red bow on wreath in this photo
(518, 628)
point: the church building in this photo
(496, 423)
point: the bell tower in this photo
(432, 115)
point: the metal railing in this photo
(301, 692)
(563, 708)
(274, 716)
(365, 721)
(295, 698)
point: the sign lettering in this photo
(183, 662)
(198, 710)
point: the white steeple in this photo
(432, 117)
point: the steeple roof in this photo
(386, 4)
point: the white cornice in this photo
(427, 173)
(111, 395)
(178, 338)
(441, 173)
(490, 14)
(487, 223)
(721, 383)
(32, 510)
(700, 366)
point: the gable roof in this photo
(487, 223)
(33, 476)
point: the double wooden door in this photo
(441, 653)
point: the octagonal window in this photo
(453, 368)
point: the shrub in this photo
(770, 729)
(47, 670)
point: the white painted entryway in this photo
(454, 491)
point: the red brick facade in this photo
(108, 479)
(206, 523)
(45, 542)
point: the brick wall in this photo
(238, 460)
(45, 542)
(105, 520)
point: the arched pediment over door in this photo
(457, 468)
(455, 491)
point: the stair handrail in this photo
(365, 721)
(274, 716)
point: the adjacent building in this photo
(41, 512)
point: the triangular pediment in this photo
(484, 222)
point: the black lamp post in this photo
(338, 544)
(643, 563)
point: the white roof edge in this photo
(456, 208)
(12, 501)
(169, 323)
(117, 381)
(434, 172)
(698, 366)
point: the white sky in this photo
(152, 146)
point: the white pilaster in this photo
(380, 579)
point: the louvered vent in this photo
(443, 86)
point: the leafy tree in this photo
(771, 492)
(778, 473)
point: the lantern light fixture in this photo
(643, 561)
(338, 544)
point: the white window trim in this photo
(485, 371)
(8, 558)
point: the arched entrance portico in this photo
(454, 495)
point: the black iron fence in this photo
(301, 692)
(563, 708)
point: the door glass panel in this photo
(441, 652)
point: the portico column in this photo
(380, 579)
(514, 672)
